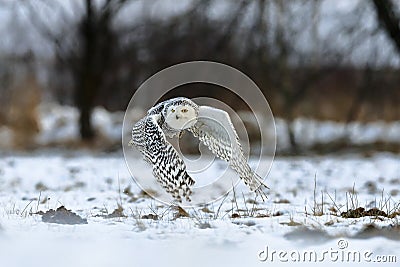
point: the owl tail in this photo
(257, 185)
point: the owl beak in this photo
(177, 117)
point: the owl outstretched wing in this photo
(214, 128)
(168, 167)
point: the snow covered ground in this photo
(237, 231)
(59, 127)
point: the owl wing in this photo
(214, 128)
(168, 168)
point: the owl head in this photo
(180, 113)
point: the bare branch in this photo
(389, 19)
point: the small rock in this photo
(61, 216)
(235, 215)
(150, 217)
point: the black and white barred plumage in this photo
(212, 126)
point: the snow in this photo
(309, 132)
(92, 185)
(59, 127)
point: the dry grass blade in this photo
(180, 212)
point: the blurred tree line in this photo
(103, 51)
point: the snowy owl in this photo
(213, 127)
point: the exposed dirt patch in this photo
(245, 222)
(206, 210)
(361, 212)
(61, 216)
(282, 201)
(76, 185)
(278, 213)
(395, 181)
(262, 215)
(117, 213)
(150, 217)
(371, 187)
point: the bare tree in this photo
(278, 43)
(386, 14)
(87, 57)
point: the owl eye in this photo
(184, 110)
(172, 110)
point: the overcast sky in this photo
(19, 36)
